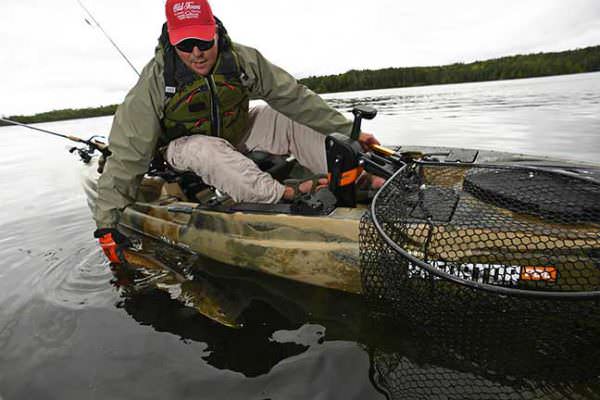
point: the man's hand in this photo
(112, 242)
(366, 140)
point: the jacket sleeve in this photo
(133, 137)
(268, 82)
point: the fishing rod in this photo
(93, 144)
(106, 35)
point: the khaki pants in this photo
(223, 166)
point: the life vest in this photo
(215, 105)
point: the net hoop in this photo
(500, 290)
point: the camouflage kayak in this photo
(315, 248)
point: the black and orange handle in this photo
(348, 177)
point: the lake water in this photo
(70, 328)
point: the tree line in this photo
(61, 115)
(512, 67)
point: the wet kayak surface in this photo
(72, 328)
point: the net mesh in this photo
(509, 230)
(499, 265)
(400, 377)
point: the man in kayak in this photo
(191, 104)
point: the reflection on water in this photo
(271, 316)
(495, 360)
(69, 328)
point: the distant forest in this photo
(513, 67)
(61, 115)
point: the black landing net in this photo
(501, 230)
(490, 261)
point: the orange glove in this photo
(112, 242)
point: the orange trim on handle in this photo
(349, 177)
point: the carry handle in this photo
(360, 112)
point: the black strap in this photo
(176, 74)
(228, 67)
(170, 59)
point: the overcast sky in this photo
(52, 59)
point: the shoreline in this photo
(571, 62)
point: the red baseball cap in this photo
(190, 20)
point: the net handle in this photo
(444, 275)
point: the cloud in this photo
(51, 58)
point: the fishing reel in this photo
(85, 154)
(93, 144)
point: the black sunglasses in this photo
(187, 45)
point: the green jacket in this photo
(137, 126)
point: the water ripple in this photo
(79, 280)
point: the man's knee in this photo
(198, 149)
(206, 145)
(257, 109)
(264, 114)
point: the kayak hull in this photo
(320, 250)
